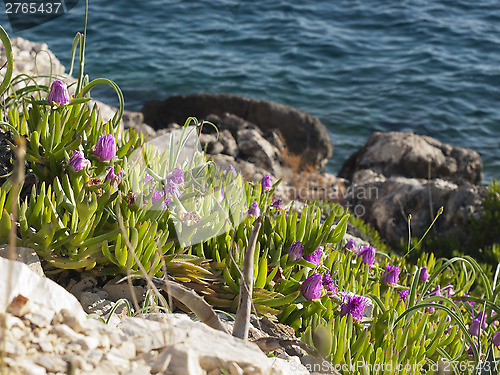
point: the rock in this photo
(304, 134)
(409, 155)
(229, 143)
(386, 202)
(210, 143)
(24, 255)
(40, 291)
(258, 150)
(118, 291)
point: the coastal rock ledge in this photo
(303, 133)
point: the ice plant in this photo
(147, 178)
(58, 94)
(112, 177)
(496, 339)
(474, 327)
(315, 257)
(177, 176)
(171, 189)
(403, 294)
(295, 251)
(367, 254)
(254, 209)
(277, 204)
(354, 305)
(266, 182)
(436, 292)
(424, 275)
(448, 291)
(350, 245)
(105, 149)
(77, 161)
(312, 287)
(329, 283)
(391, 275)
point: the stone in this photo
(410, 155)
(304, 134)
(51, 362)
(386, 203)
(28, 368)
(24, 255)
(229, 143)
(66, 332)
(259, 151)
(39, 290)
(19, 306)
(119, 291)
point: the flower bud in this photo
(315, 257)
(112, 177)
(105, 149)
(266, 182)
(312, 287)
(77, 161)
(295, 251)
(424, 275)
(367, 254)
(496, 339)
(58, 94)
(254, 209)
(391, 275)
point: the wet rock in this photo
(410, 155)
(304, 134)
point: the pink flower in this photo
(58, 94)
(77, 161)
(312, 287)
(105, 149)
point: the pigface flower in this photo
(496, 339)
(295, 251)
(277, 204)
(315, 257)
(171, 189)
(424, 275)
(354, 305)
(266, 182)
(474, 327)
(391, 275)
(403, 294)
(367, 254)
(77, 161)
(312, 287)
(58, 94)
(254, 209)
(112, 177)
(329, 283)
(105, 149)
(350, 245)
(177, 176)
(448, 290)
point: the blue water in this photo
(429, 66)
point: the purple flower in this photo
(470, 353)
(481, 318)
(391, 275)
(277, 204)
(157, 195)
(254, 209)
(177, 176)
(295, 251)
(367, 254)
(171, 189)
(448, 290)
(58, 94)
(315, 257)
(105, 149)
(266, 182)
(350, 245)
(474, 327)
(353, 304)
(496, 339)
(232, 170)
(77, 161)
(424, 275)
(403, 294)
(436, 292)
(312, 287)
(112, 177)
(329, 283)
(147, 178)
(220, 192)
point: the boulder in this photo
(303, 133)
(414, 156)
(386, 203)
(257, 150)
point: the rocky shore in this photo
(392, 176)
